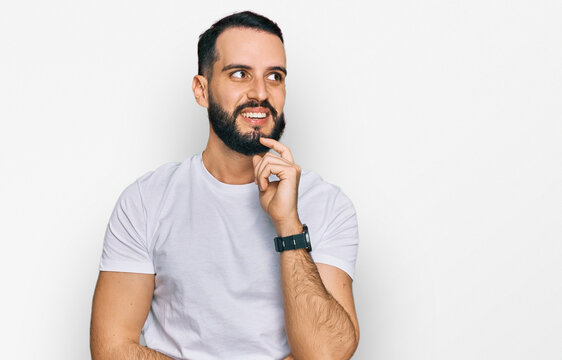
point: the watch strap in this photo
(292, 242)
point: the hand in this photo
(279, 198)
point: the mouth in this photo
(256, 116)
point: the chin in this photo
(257, 132)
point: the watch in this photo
(292, 242)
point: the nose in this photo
(257, 90)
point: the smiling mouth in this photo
(255, 116)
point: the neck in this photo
(225, 164)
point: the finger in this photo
(256, 159)
(277, 146)
(258, 165)
(260, 161)
(274, 159)
(270, 159)
(282, 171)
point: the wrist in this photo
(288, 228)
(294, 241)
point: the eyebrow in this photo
(246, 67)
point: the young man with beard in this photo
(211, 258)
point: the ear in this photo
(200, 90)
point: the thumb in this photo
(256, 160)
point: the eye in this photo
(239, 74)
(275, 77)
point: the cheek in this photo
(278, 99)
(227, 96)
(235, 97)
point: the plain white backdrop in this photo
(441, 120)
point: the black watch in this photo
(292, 242)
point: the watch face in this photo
(307, 238)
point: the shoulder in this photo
(154, 184)
(312, 185)
(165, 175)
(331, 220)
(316, 193)
(159, 177)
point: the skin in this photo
(320, 317)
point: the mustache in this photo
(252, 104)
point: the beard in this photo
(224, 125)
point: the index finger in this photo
(277, 146)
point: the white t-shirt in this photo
(210, 245)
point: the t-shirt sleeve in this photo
(125, 245)
(337, 245)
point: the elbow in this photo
(346, 347)
(107, 349)
(342, 349)
(355, 339)
(352, 342)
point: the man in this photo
(189, 256)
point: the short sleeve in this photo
(337, 245)
(125, 245)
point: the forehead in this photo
(249, 47)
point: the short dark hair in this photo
(206, 49)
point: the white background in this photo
(441, 120)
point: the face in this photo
(246, 93)
(226, 128)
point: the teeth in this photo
(255, 115)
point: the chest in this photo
(209, 248)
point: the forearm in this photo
(317, 325)
(126, 351)
(136, 351)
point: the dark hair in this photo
(206, 50)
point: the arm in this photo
(120, 307)
(320, 318)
